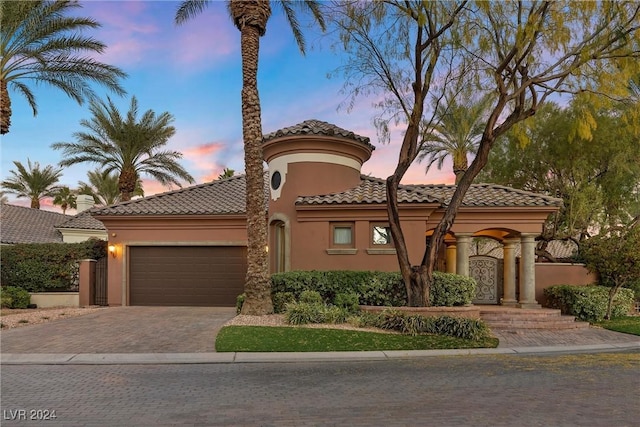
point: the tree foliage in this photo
(103, 187)
(406, 52)
(32, 182)
(41, 44)
(594, 168)
(126, 145)
(65, 198)
(614, 255)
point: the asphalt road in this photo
(598, 389)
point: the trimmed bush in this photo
(450, 290)
(373, 287)
(42, 267)
(588, 303)
(310, 297)
(348, 301)
(14, 297)
(280, 301)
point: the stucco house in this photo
(188, 247)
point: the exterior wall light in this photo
(112, 250)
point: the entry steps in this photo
(519, 318)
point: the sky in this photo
(193, 71)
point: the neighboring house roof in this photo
(370, 191)
(83, 221)
(317, 127)
(20, 224)
(373, 190)
(224, 196)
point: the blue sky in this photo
(194, 73)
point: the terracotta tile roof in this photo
(370, 191)
(19, 224)
(317, 127)
(84, 221)
(490, 195)
(225, 196)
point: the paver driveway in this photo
(123, 330)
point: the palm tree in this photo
(226, 173)
(103, 187)
(65, 198)
(40, 45)
(126, 145)
(250, 17)
(32, 182)
(460, 123)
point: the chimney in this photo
(84, 202)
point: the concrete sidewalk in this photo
(209, 358)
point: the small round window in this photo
(276, 179)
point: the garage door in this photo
(186, 275)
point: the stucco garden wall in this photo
(550, 274)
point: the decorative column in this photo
(450, 257)
(509, 296)
(528, 272)
(463, 243)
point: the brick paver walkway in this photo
(123, 330)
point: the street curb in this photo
(339, 356)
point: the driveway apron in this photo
(123, 330)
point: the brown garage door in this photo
(186, 275)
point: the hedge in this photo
(372, 287)
(38, 267)
(588, 303)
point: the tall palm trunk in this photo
(35, 203)
(5, 108)
(251, 18)
(127, 184)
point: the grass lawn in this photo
(627, 324)
(270, 339)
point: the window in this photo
(381, 235)
(342, 235)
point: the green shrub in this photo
(372, 287)
(415, 324)
(239, 302)
(450, 290)
(348, 301)
(14, 297)
(310, 297)
(280, 301)
(302, 313)
(588, 303)
(41, 267)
